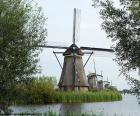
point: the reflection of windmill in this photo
(73, 74)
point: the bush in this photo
(42, 91)
(38, 91)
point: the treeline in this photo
(42, 91)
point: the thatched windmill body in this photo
(73, 75)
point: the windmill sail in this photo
(97, 49)
(51, 46)
(76, 25)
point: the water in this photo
(127, 107)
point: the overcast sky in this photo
(60, 24)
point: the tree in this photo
(22, 27)
(122, 25)
(40, 90)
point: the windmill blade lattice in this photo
(49, 46)
(76, 25)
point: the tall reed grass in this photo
(53, 113)
(80, 97)
(41, 91)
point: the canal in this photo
(127, 107)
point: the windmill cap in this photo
(73, 49)
(93, 74)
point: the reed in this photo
(80, 97)
(70, 113)
(41, 91)
(52, 113)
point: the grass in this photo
(70, 97)
(81, 97)
(42, 91)
(52, 113)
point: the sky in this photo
(60, 30)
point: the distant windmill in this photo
(73, 75)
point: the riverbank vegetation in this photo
(52, 113)
(67, 113)
(43, 91)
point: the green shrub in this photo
(42, 91)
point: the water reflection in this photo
(68, 109)
(127, 107)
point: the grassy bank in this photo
(80, 97)
(41, 91)
(71, 97)
(53, 113)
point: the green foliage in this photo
(122, 24)
(53, 113)
(21, 29)
(80, 97)
(68, 113)
(93, 90)
(41, 91)
(38, 91)
(112, 88)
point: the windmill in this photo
(73, 75)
